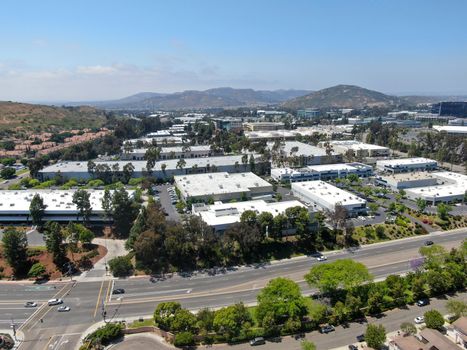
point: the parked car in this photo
(63, 309)
(423, 302)
(427, 243)
(419, 319)
(327, 329)
(361, 337)
(55, 301)
(257, 341)
(30, 304)
(353, 347)
(118, 291)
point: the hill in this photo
(192, 99)
(342, 96)
(32, 117)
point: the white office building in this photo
(321, 172)
(452, 129)
(360, 149)
(221, 216)
(176, 152)
(14, 205)
(323, 196)
(406, 165)
(222, 186)
(307, 154)
(401, 181)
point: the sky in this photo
(106, 49)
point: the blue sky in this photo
(82, 50)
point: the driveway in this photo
(166, 202)
(141, 341)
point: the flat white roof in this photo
(450, 176)
(230, 213)
(304, 131)
(405, 161)
(338, 167)
(218, 183)
(304, 149)
(330, 194)
(176, 149)
(57, 201)
(357, 145)
(438, 191)
(451, 129)
(419, 175)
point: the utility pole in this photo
(13, 326)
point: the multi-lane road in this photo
(86, 298)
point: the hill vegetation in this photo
(38, 118)
(343, 96)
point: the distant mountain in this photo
(191, 99)
(343, 96)
(36, 117)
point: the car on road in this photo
(55, 301)
(63, 309)
(419, 319)
(361, 337)
(257, 341)
(423, 302)
(353, 347)
(427, 243)
(327, 329)
(30, 304)
(321, 258)
(118, 291)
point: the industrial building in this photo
(407, 180)
(308, 113)
(222, 186)
(176, 152)
(323, 196)
(328, 130)
(14, 205)
(454, 109)
(160, 141)
(360, 149)
(451, 187)
(221, 216)
(163, 169)
(260, 126)
(405, 165)
(307, 154)
(321, 172)
(451, 129)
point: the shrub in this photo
(121, 266)
(434, 319)
(184, 339)
(106, 334)
(36, 270)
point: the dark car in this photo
(257, 341)
(428, 243)
(353, 347)
(327, 329)
(423, 302)
(361, 337)
(118, 291)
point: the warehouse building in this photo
(451, 129)
(322, 196)
(406, 165)
(14, 205)
(321, 172)
(222, 186)
(360, 149)
(221, 216)
(407, 180)
(307, 154)
(260, 126)
(176, 152)
(163, 169)
(328, 130)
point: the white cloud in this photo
(96, 69)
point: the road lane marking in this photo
(106, 296)
(98, 299)
(111, 291)
(47, 345)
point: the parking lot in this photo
(168, 200)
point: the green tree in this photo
(106, 202)
(421, 204)
(81, 198)
(15, 247)
(54, 243)
(183, 339)
(121, 266)
(230, 320)
(165, 313)
(457, 307)
(85, 235)
(408, 328)
(373, 208)
(375, 336)
(281, 299)
(7, 172)
(343, 273)
(266, 223)
(443, 211)
(125, 211)
(433, 319)
(37, 270)
(37, 209)
(249, 217)
(183, 321)
(307, 345)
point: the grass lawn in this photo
(145, 323)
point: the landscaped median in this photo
(346, 292)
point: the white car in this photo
(321, 258)
(63, 309)
(30, 304)
(419, 319)
(52, 302)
